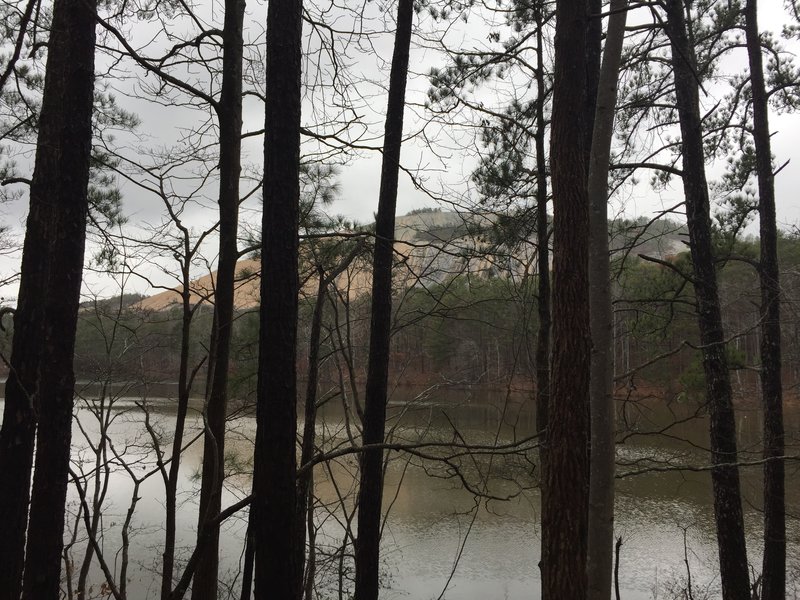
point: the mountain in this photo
(246, 294)
(433, 246)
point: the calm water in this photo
(438, 535)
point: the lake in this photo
(440, 539)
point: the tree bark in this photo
(42, 381)
(542, 248)
(274, 503)
(229, 113)
(305, 481)
(543, 261)
(370, 493)
(594, 55)
(19, 422)
(565, 493)
(773, 574)
(173, 474)
(601, 478)
(725, 474)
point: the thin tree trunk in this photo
(101, 481)
(229, 113)
(565, 493)
(19, 421)
(774, 565)
(311, 566)
(725, 475)
(249, 559)
(543, 259)
(617, 547)
(601, 479)
(274, 480)
(171, 481)
(542, 248)
(306, 479)
(54, 245)
(370, 493)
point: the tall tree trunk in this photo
(725, 474)
(274, 503)
(370, 494)
(53, 255)
(594, 55)
(249, 559)
(542, 248)
(774, 566)
(173, 474)
(21, 394)
(543, 258)
(565, 493)
(601, 478)
(229, 113)
(306, 480)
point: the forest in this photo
(445, 299)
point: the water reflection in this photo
(438, 533)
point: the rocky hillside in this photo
(433, 246)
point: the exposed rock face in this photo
(433, 247)
(202, 289)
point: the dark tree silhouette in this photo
(40, 388)
(370, 493)
(565, 490)
(774, 564)
(229, 113)
(542, 245)
(725, 475)
(601, 479)
(274, 502)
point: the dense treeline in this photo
(477, 329)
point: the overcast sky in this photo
(441, 156)
(451, 166)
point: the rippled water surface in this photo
(440, 537)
